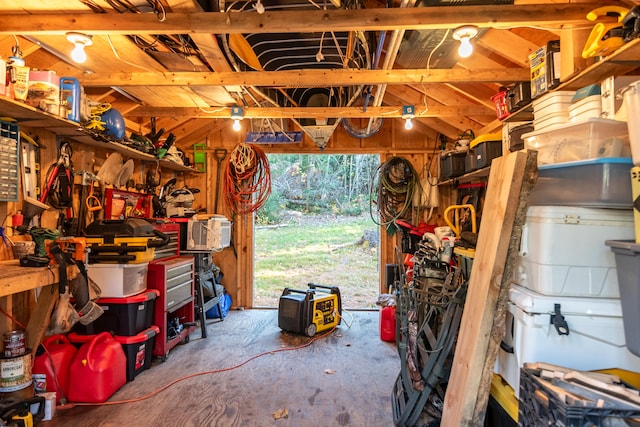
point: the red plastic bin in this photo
(122, 316)
(500, 102)
(137, 348)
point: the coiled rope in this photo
(247, 180)
(392, 188)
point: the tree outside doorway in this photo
(316, 228)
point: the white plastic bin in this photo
(632, 104)
(580, 141)
(563, 251)
(119, 280)
(596, 337)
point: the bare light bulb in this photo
(408, 124)
(236, 125)
(259, 7)
(466, 49)
(78, 54)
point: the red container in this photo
(137, 348)
(98, 370)
(388, 323)
(51, 365)
(500, 102)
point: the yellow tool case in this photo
(132, 240)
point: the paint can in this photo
(13, 343)
(15, 376)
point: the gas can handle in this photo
(57, 338)
(100, 338)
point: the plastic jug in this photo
(51, 365)
(388, 323)
(98, 370)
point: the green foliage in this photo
(321, 184)
(271, 211)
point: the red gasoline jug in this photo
(51, 365)
(388, 323)
(98, 370)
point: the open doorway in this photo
(316, 227)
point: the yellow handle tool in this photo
(457, 209)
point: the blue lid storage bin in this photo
(597, 183)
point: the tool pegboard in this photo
(9, 164)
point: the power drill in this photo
(38, 235)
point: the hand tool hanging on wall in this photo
(58, 190)
(87, 186)
(220, 154)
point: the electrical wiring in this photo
(392, 189)
(247, 180)
(203, 373)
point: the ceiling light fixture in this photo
(408, 113)
(80, 41)
(464, 35)
(236, 116)
(259, 7)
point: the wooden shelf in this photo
(622, 61)
(31, 117)
(467, 177)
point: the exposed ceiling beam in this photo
(421, 18)
(310, 112)
(307, 78)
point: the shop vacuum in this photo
(309, 311)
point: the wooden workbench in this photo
(15, 280)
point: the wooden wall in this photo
(237, 262)
(392, 140)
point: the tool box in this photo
(316, 309)
(132, 240)
(578, 333)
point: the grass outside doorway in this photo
(324, 249)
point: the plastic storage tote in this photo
(119, 280)
(563, 251)
(580, 141)
(596, 183)
(122, 316)
(627, 255)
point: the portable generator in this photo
(306, 312)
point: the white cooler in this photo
(562, 251)
(596, 337)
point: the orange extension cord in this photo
(198, 374)
(247, 181)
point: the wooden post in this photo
(482, 326)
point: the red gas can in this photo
(98, 370)
(388, 323)
(51, 365)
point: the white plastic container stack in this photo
(585, 109)
(551, 110)
(632, 103)
(580, 141)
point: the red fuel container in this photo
(98, 370)
(388, 323)
(51, 365)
